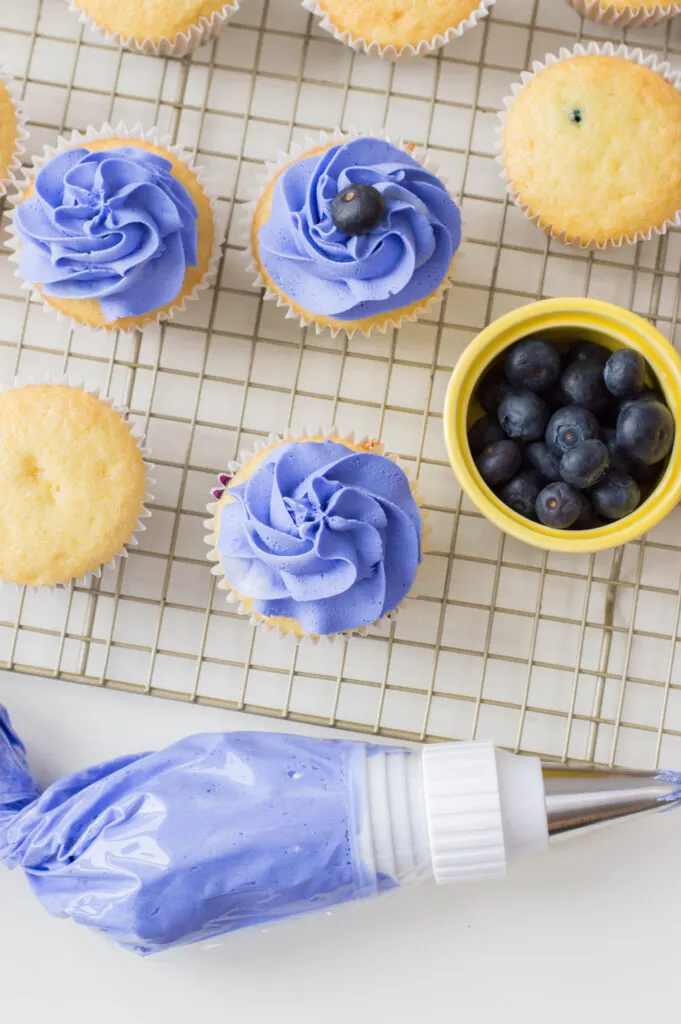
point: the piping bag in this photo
(227, 830)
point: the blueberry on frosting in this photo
(357, 210)
(112, 225)
(332, 272)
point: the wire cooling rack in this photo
(564, 656)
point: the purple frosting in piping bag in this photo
(112, 225)
(401, 261)
(322, 534)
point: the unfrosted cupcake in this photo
(114, 231)
(316, 535)
(173, 27)
(398, 28)
(626, 13)
(73, 484)
(12, 133)
(591, 147)
(354, 234)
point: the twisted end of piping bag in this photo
(18, 788)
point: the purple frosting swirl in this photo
(401, 261)
(112, 225)
(322, 534)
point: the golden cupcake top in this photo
(9, 133)
(397, 22)
(73, 484)
(151, 20)
(592, 148)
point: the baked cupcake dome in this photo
(374, 277)
(11, 134)
(114, 231)
(588, 165)
(73, 484)
(163, 26)
(317, 536)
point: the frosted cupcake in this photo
(316, 536)
(354, 235)
(398, 28)
(626, 13)
(174, 27)
(591, 147)
(114, 231)
(73, 484)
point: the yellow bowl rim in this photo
(621, 326)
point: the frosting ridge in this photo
(321, 534)
(112, 225)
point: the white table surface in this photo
(588, 933)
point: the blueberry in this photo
(538, 456)
(492, 388)
(533, 364)
(521, 492)
(616, 495)
(483, 432)
(589, 351)
(568, 427)
(558, 505)
(645, 475)
(645, 430)
(618, 458)
(523, 415)
(586, 520)
(582, 384)
(498, 462)
(649, 395)
(357, 210)
(625, 373)
(585, 464)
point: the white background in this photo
(588, 933)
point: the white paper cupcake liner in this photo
(118, 131)
(375, 49)
(661, 68)
(270, 172)
(181, 44)
(15, 168)
(630, 17)
(149, 482)
(233, 467)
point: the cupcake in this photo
(398, 28)
(591, 146)
(626, 13)
(316, 535)
(114, 231)
(12, 133)
(166, 29)
(354, 234)
(73, 484)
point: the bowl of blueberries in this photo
(561, 424)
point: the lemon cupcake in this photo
(74, 480)
(398, 28)
(591, 146)
(626, 13)
(114, 230)
(316, 535)
(353, 234)
(12, 132)
(170, 28)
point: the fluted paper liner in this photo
(118, 131)
(178, 46)
(275, 167)
(390, 52)
(632, 16)
(212, 526)
(149, 481)
(14, 167)
(661, 68)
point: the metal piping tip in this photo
(580, 798)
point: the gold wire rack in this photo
(563, 656)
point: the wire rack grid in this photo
(564, 656)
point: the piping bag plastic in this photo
(227, 830)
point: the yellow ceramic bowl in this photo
(563, 320)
